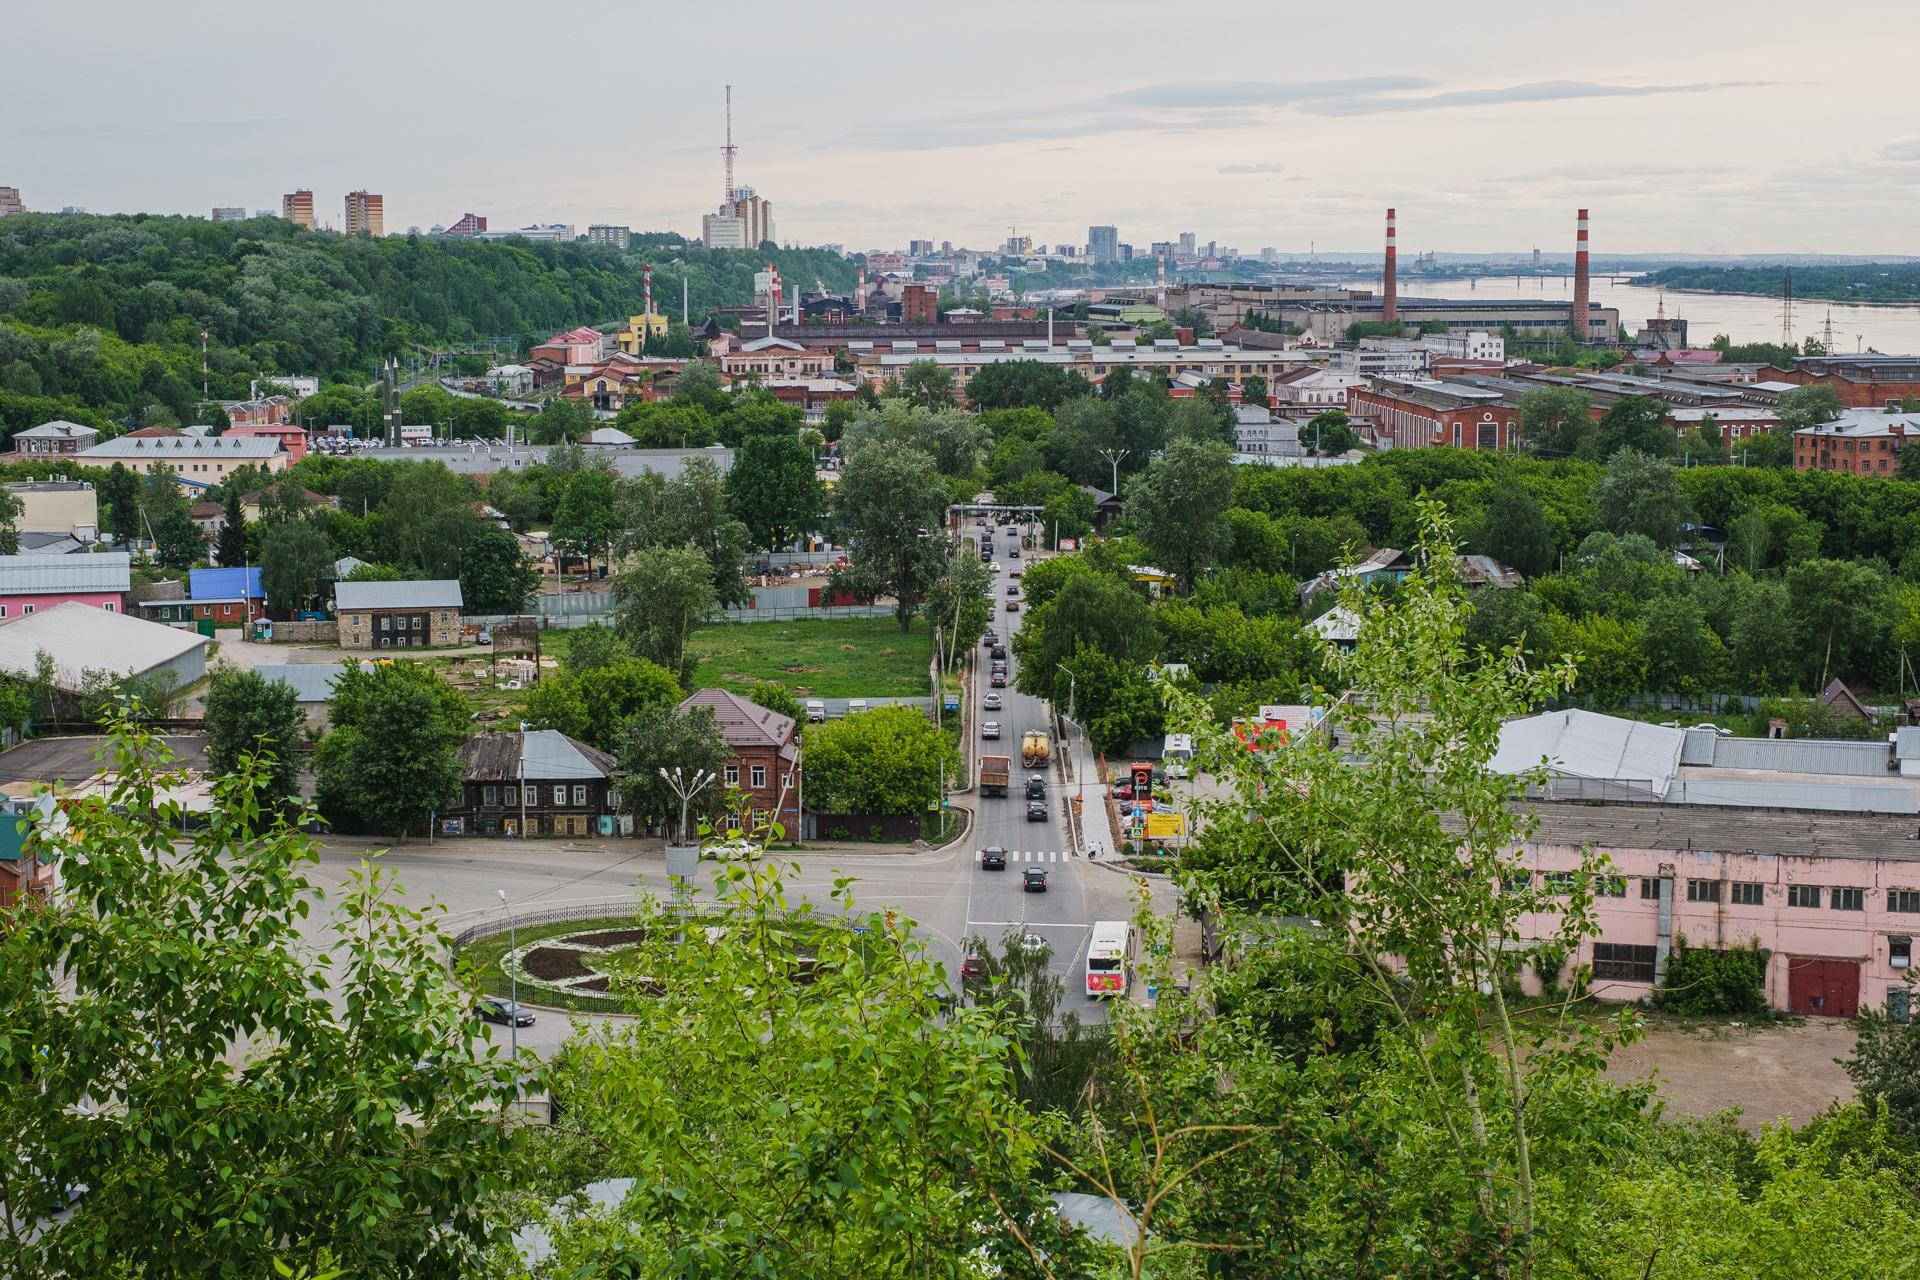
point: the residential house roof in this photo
(46, 575)
(744, 723)
(442, 593)
(574, 337)
(609, 436)
(1841, 698)
(205, 585)
(547, 755)
(59, 429)
(310, 681)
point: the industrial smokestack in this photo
(646, 284)
(1390, 283)
(860, 293)
(1162, 294)
(1582, 322)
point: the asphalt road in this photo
(948, 895)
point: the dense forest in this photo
(1861, 282)
(101, 317)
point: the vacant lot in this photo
(1772, 1071)
(841, 658)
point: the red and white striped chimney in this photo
(646, 285)
(1390, 285)
(1582, 322)
(860, 292)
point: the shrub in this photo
(838, 833)
(1702, 980)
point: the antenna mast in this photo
(729, 149)
(1786, 310)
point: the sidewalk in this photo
(1095, 832)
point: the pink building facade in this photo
(18, 606)
(1838, 930)
(292, 438)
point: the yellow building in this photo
(640, 330)
(198, 461)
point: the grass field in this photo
(841, 658)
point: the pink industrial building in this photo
(1805, 847)
(292, 437)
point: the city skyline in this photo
(1717, 139)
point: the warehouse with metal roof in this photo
(82, 639)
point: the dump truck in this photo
(994, 771)
(1034, 750)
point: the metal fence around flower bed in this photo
(499, 923)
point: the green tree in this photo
(1515, 530)
(660, 598)
(1330, 433)
(1025, 384)
(1557, 422)
(1837, 611)
(560, 420)
(1884, 1066)
(659, 737)
(887, 760)
(118, 490)
(173, 1047)
(927, 384)
(773, 490)
(1253, 390)
(892, 506)
(1177, 507)
(1683, 653)
(778, 699)
(179, 543)
(1639, 423)
(230, 545)
(1640, 494)
(961, 605)
(1091, 611)
(389, 761)
(296, 562)
(495, 576)
(1807, 406)
(249, 715)
(585, 520)
(592, 704)
(427, 518)
(591, 647)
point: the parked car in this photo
(998, 680)
(1033, 880)
(1123, 791)
(991, 702)
(1036, 787)
(504, 1012)
(993, 858)
(991, 729)
(1036, 811)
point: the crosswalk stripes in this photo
(1035, 855)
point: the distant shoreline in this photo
(1770, 297)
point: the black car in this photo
(1013, 552)
(504, 1012)
(999, 653)
(1036, 811)
(1033, 880)
(1036, 788)
(993, 858)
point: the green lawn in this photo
(839, 658)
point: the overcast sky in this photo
(1686, 127)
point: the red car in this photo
(998, 680)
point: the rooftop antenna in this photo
(729, 150)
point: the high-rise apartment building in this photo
(611, 236)
(1187, 243)
(1103, 244)
(755, 214)
(297, 207)
(229, 213)
(366, 214)
(10, 201)
(723, 231)
(919, 248)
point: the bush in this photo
(876, 833)
(838, 833)
(1702, 980)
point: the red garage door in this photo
(1824, 988)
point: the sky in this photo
(1685, 127)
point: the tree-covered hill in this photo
(1860, 282)
(101, 317)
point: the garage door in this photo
(1823, 988)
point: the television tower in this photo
(729, 150)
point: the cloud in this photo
(1260, 93)
(1251, 168)
(1542, 91)
(1901, 149)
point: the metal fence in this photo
(499, 922)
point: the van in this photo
(1177, 754)
(856, 705)
(816, 711)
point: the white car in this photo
(991, 702)
(991, 729)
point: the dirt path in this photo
(1774, 1071)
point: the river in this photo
(1744, 317)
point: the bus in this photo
(1109, 952)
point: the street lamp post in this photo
(513, 989)
(678, 783)
(1114, 456)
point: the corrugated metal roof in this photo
(43, 574)
(310, 681)
(1581, 744)
(224, 584)
(551, 756)
(58, 429)
(82, 638)
(170, 448)
(440, 593)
